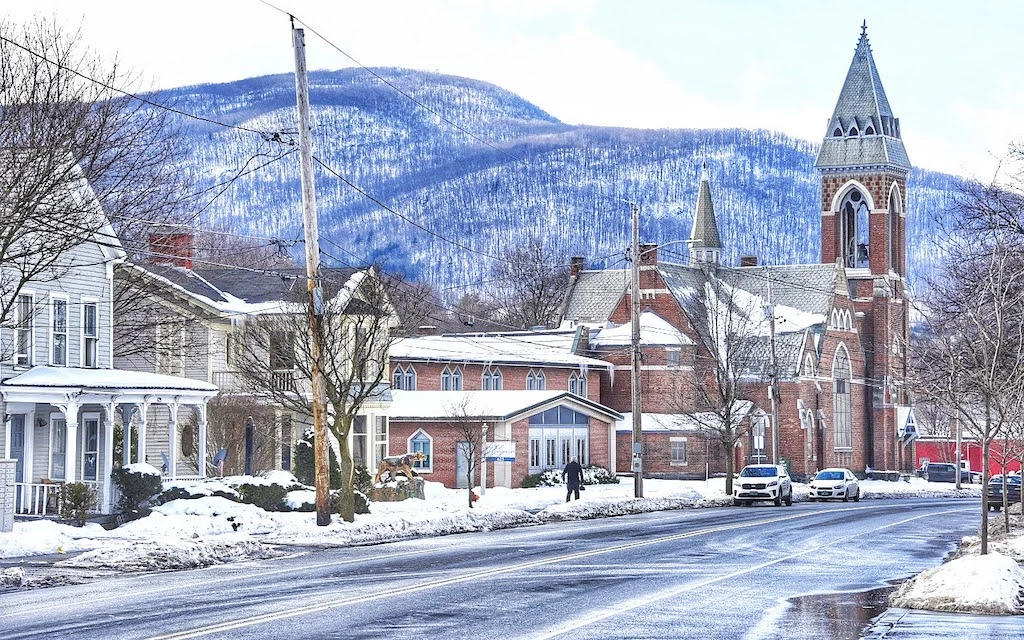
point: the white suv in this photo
(763, 482)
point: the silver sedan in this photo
(834, 484)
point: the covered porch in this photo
(59, 424)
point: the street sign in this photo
(906, 424)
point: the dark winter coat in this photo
(573, 474)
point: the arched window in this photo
(578, 384)
(893, 229)
(404, 379)
(853, 230)
(870, 131)
(535, 381)
(838, 133)
(842, 414)
(451, 379)
(848, 320)
(808, 366)
(852, 132)
(420, 442)
(491, 379)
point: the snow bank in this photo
(917, 488)
(157, 555)
(43, 537)
(970, 584)
(1012, 546)
(13, 577)
(143, 469)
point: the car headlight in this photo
(773, 483)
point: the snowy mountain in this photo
(480, 167)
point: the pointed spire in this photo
(862, 129)
(705, 243)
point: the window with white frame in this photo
(534, 452)
(842, 415)
(672, 357)
(535, 381)
(578, 384)
(380, 438)
(359, 441)
(287, 431)
(58, 447)
(59, 331)
(758, 431)
(491, 379)
(23, 332)
(90, 446)
(420, 442)
(451, 379)
(678, 451)
(404, 378)
(169, 354)
(90, 334)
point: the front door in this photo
(463, 464)
(18, 445)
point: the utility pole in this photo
(316, 296)
(773, 389)
(634, 299)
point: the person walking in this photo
(573, 476)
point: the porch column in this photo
(108, 457)
(143, 421)
(172, 440)
(201, 419)
(126, 433)
(71, 447)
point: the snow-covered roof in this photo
(655, 422)
(549, 348)
(103, 380)
(654, 330)
(485, 405)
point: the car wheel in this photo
(856, 497)
(997, 507)
(736, 502)
(846, 496)
(789, 499)
(778, 499)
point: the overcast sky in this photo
(953, 71)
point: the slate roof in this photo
(594, 295)
(704, 234)
(862, 103)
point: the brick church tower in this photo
(864, 167)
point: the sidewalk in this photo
(909, 624)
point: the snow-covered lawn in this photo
(211, 529)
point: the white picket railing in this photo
(43, 499)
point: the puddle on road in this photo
(838, 616)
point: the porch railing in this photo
(43, 499)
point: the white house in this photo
(60, 396)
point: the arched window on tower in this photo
(893, 230)
(853, 230)
(842, 413)
(870, 131)
(838, 133)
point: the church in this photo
(804, 364)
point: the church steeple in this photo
(705, 244)
(863, 131)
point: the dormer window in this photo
(870, 131)
(853, 131)
(838, 133)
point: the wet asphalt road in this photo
(708, 573)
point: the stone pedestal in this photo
(7, 494)
(396, 491)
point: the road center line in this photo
(647, 600)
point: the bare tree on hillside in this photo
(530, 284)
(66, 133)
(357, 327)
(713, 392)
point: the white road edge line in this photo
(650, 599)
(316, 608)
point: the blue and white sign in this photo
(500, 451)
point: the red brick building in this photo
(834, 334)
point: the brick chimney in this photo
(748, 261)
(648, 255)
(175, 249)
(576, 265)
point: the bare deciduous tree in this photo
(530, 284)
(472, 445)
(358, 324)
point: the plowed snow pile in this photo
(970, 584)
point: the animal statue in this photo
(393, 465)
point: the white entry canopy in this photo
(42, 384)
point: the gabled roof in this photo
(862, 105)
(594, 295)
(503, 406)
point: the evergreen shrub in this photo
(76, 498)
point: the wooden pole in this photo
(637, 406)
(316, 298)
